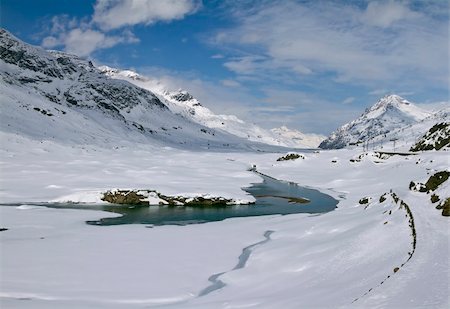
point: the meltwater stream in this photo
(272, 197)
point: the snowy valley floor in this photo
(345, 258)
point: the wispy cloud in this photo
(378, 92)
(348, 100)
(246, 65)
(381, 92)
(385, 13)
(384, 41)
(217, 56)
(83, 41)
(213, 94)
(230, 83)
(305, 111)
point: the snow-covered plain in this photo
(43, 171)
(51, 259)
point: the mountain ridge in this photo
(182, 102)
(51, 95)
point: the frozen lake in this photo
(273, 197)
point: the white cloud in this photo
(385, 13)
(83, 42)
(50, 42)
(60, 23)
(230, 83)
(113, 14)
(435, 106)
(338, 39)
(275, 109)
(348, 100)
(83, 36)
(309, 112)
(245, 65)
(265, 68)
(378, 92)
(382, 92)
(405, 93)
(212, 94)
(217, 56)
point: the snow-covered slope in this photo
(183, 103)
(388, 114)
(57, 96)
(295, 136)
(405, 138)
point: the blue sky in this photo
(310, 65)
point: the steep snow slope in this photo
(388, 114)
(57, 96)
(183, 103)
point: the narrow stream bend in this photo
(216, 283)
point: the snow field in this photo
(328, 260)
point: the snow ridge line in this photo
(216, 283)
(412, 226)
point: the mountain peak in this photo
(182, 96)
(394, 104)
(389, 113)
(392, 100)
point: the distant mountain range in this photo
(183, 103)
(51, 95)
(392, 118)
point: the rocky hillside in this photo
(49, 95)
(436, 138)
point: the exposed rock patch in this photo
(152, 197)
(291, 156)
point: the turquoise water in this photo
(272, 198)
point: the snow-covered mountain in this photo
(389, 114)
(297, 137)
(50, 95)
(183, 103)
